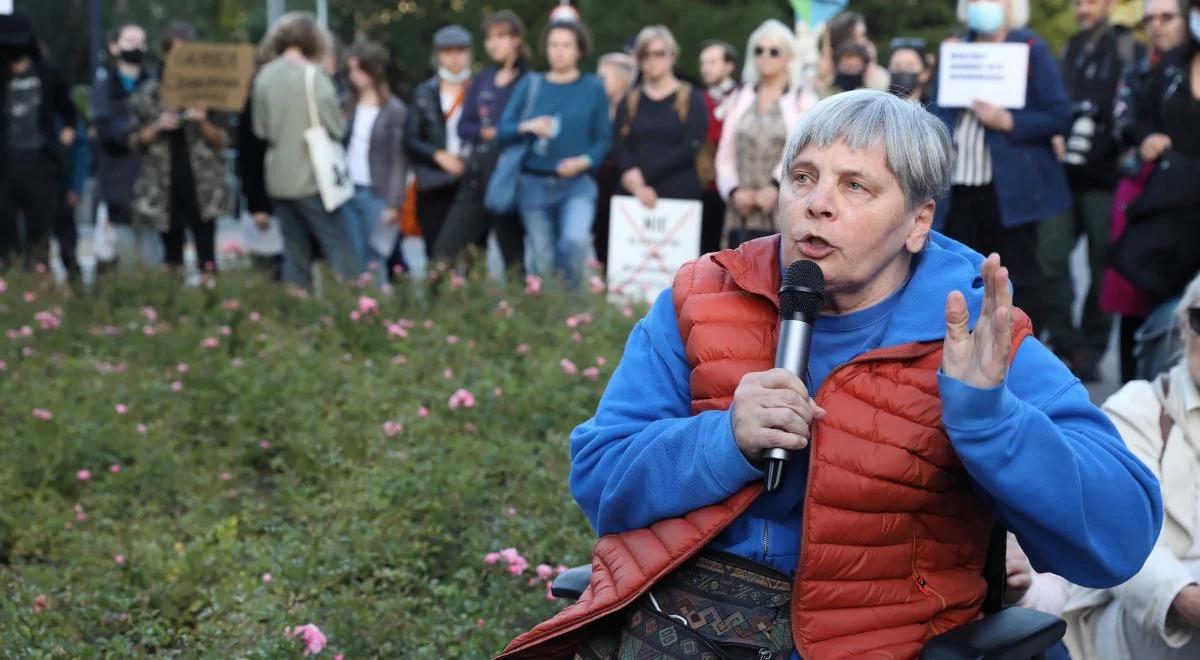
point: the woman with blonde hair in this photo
(1156, 614)
(759, 118)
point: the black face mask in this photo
(904, 83)
(848, 81)
(135, 57)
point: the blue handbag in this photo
(501, 194)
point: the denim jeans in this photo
(361, 215)
(558, 215)
(300, 218)
(138, 247)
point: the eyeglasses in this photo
(654, 55)
(1164, 18)
(759, 51)
(1194, 319)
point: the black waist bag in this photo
(717, 606)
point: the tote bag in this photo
(501, 195)
(328, 156)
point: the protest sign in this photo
(996, 73)
(216, 76)
(646, 247)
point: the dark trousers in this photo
(204, 234)
(68, 240)
(31, 189)
(433, 206)
(712, 221)
(1127, 327)
(1090, 216)
(974, 220)
(468, 222)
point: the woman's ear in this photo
(918, 235)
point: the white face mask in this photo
(1194, 23)
(456, 78)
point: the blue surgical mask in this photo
(985, 17)
(1194, 24)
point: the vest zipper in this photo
(904, 352)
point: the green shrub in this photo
(248, 427)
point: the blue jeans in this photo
(361, 215)
(300, 219)
(558, 215)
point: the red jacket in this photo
(894, 538)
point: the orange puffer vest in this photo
(893, 540)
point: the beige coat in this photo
(1136, 410)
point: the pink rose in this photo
(568, 367)
(491, 558)
(452, 340)
(40, 602)
(544, 571)
(522, 349)
(367, 305)
(210, 342)
(177, 386)
(119, 559)
(480, 623)
(576, 336)
(591, 373)
(462, 398)
(627, 312)
(313, 638)
(399, 360)
(225, 330)
(266, 578)
(84, 475)
(392, 429)
(141, 429)
(533, 285)
(457, 281)
(498, 392)
(572, 322)
(231, 305)
(264, 444)
(224, 476)
(422, 411)
(596, 284)
(114, 468)
(43, 414)
(255, 317)
(395, 331)
(121, 408)
(355, 315)
(601, 361)
(149, 314)
(447, 373)
(29, 296)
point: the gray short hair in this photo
(917, 144)
(651, 33)
(1190, 299)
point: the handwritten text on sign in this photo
(216, 76)
(996, 73)
(646, 247)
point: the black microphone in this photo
(799, 303)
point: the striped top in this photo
(972, 162)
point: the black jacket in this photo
(56, 110)
(251, 159)
(425, 135)
(1093, 66)
(118, 166)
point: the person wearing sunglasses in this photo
(1165, 31)
(758, 120)
(1157, 613)
(660, 126)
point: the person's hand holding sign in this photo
(980, 358)
(993, 116)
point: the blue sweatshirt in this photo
(581, 108)
(1046, 461)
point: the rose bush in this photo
(192, 471)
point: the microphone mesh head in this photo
(802, 290)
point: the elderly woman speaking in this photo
(936, 415)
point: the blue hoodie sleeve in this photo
(509, 128)
(643, 457)
(1055, 471)
(601, 130)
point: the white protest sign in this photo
(996, 73)
(646, 247)
(6, 6)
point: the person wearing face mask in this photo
(1164, 22)
(34, 104)
(1160, 248)
(851, 63)
(431, 138)
(846, 28)
(118, 164)
(909, 70)
(469, 222)
(1094, 61)
(1006, 176)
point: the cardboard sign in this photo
(216, 76)
(646, 247)
(996, 73)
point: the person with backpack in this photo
(1156, 614)
(660, 126)
(1095, 60)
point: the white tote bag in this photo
(327, 156)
